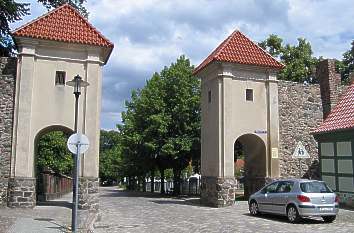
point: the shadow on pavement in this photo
(55, 203)
(125, 193)
(61, 228)
(192, 202)
(284, 219)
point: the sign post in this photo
(77, 144)
(300, 153)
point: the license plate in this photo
(326, 209)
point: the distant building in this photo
(335, 137)
(243, 103)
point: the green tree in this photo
(12, 11)
(161, 126)
(52, 153)
(298, 60)
(78, 4)
(110, 163)
(346, 66)
(181, 94)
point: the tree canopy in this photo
(161, 126)
(298, 60)
(52, 153)
(110, 156)
(346, 66)
(12, 11)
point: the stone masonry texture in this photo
(218, 192)
(88, 203)
(300, 112)
(22, 192)
(7, 93)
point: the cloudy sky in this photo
(150, 34)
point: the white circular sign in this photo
(76, 140)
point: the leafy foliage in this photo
(161, 127)
(78, 4)
(52, 153)
(346, 66)
(12, 11)
(110, 156)
(298, 60)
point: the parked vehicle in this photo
(296, 198)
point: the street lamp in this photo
(77, 83)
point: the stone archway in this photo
(253, 150)
(52, 163)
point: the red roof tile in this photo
(64, 24)
(342, 115)
(237, 48)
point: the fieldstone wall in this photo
(7, 94)
(22, 192)
(300, 112)
(218, 191)
(88, 203)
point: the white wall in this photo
(41, 103)
(230, 116)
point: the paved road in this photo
(137, 212)
(54, 217)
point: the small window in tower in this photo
(249, 94)
(209, 96)
(60, 78)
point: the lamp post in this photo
(77, 83)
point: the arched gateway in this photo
(239, 102)
(52, 50)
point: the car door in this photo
(265, 200)
(281, 196)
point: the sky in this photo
(151, 34)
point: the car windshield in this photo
(314, 187)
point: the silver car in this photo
(296, 198)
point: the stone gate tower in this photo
(52, 49)
(239, 106)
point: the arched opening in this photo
(53, 163)
(250, 163)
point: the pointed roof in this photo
(238, 48)
(63, 24)
(342, 115)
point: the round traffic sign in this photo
(76, 140)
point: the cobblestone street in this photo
(142, 212)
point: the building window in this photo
(249, 94)
(209, 96)
(60, 78)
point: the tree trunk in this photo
(152, 181)
(162, 171)
(176, 181)
(144, 183)
(139, 183)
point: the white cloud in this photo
(150, 34)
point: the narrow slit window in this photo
(249, 94)
(60, 78)
(209, 96)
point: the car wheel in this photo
(293, 214)
(329, 219)
(253, 208)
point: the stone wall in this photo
(88, 202)
(22, 192)
(7, 92)
(218, 192)
(300, 112)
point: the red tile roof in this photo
(63, 24)
(237, 48)
(342, 115)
